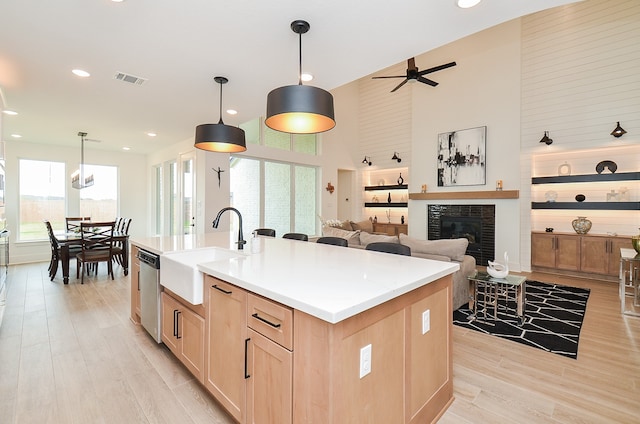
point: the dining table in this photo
(68, 239)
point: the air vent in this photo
(130, 78)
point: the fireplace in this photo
(476, 223)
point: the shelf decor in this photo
(581, 225)
(461, 157)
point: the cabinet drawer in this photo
(271, 319)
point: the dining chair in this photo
(265, 232)
(122, 228)
(296, 236)
(336, 241)
(73, 222)
(55, 251)
(97, 246)
(386, 247)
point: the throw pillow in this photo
(353, 237)
(365, 225)
(366, 238)
(346, 225)
(453, 248)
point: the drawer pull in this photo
(258, 317)
(221, 289)
(246, 349)
(178, 336)
(175, 323)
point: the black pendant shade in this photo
(300, 109)
(220, 137)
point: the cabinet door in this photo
(170, 311)
(191, 331)
(594, 252)
(269, 386)
(615, 244)
(568, 252)
(135, 285)
(543, 250)
(227, 332)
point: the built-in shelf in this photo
(386, 205)
(587, 178)
(614, 206)
(440, 195)
(387, 187)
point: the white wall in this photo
(580, 75)
(133, 189)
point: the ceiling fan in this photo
(416, 75)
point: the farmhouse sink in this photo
(179, 270)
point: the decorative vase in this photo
(581, 225)
(389, 198)
(400, 179)
(635, 240)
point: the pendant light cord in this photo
(220, 121)
(300, 59)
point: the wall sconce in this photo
(367, 160)
(330, 188)
(619, 131)
(396, 157)
(545, 139)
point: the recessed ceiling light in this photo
(10, 112)
(306, 77)
(117, 1)
(466, 4)
(151, 134)
(81, 73)
(232, 111)
(16, 136)
(125, 148)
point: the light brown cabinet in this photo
(183, 331)
(135, 284)
(560, 251)
(250, 358)
(601, 254)
(226, 339)
(586, 253)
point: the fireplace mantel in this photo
(488, 194)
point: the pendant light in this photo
(78, 180)
(220, 137)
(300, 109)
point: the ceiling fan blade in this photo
(437, 68)
(427, 81)
(393, 76)
(400, 85)
(411, 63)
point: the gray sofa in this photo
(440, 250)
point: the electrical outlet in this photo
(426, 321)
(365, 360)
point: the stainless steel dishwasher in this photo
(149, 280)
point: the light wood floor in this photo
(69, 354)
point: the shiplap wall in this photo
(384, 127)
(580, 74)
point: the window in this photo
(42, 196)
(299, 143)
(100, 201)
(280, 195)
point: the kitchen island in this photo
(290, 331)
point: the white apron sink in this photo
(179, 270)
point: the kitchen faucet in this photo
(241, 242)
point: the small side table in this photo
(492, 289)
(629, 282)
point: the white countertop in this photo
(329, 282)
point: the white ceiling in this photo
(180, 45)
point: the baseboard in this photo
(588, 276)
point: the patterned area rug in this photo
(553, 318)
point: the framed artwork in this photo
(461, 157)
